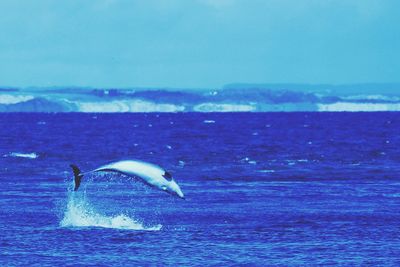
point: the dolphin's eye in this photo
(167, 176)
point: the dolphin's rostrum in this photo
(148, 173)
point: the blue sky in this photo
(198, 43)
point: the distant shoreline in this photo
(232, 98)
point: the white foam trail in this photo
(81, 214)
(14, 99)
(22, 155)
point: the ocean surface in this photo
(262, 189)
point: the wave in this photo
(22, 155)
(80, 214)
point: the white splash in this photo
(22, 155)
(81, 214)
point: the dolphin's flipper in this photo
(78, 176)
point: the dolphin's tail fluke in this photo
(78, 176)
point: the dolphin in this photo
(148, 173)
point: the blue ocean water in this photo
(262, 189)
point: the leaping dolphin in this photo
(148, 173)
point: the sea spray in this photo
(79, 213)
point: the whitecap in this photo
(22, 155)
(248, 160)
(181, 163)
(209, 121)
(302, 160)
(266, 171)
(292, 162)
